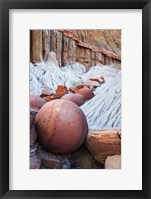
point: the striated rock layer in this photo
(104, 110)
(88, 47)
(108, 39)
(104, 143)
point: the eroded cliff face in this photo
(108, 39)
(88, 47)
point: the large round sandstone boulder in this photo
(61, 126)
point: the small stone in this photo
(50, 98)
(34, 149)
(92, 83)
(36, 102)
(66, 163)
(86, 92)
(80, 86)
(72, 90)
(61, 90)
(52, 163)
(113, 162)
(35, 162)
(99, 79)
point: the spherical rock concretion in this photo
(61, 126)
(86, 92)
(76, 98)
(36, 102)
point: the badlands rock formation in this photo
(88, 47)
(103, 111)
(74, 60)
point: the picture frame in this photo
(4, 103)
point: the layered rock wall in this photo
(71, 47)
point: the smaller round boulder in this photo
(76, 98)
(36, 102)
(86, 92)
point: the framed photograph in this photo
(75, 99)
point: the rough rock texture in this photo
(83, 159)
(113, 162)
(104, 143)
(32, 116)
(34, 149)
(104, 109)
(89, 47)
(36, 46)
(33, 135)
(52, 161)
(35, 162)
(109, 39)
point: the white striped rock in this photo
(104, 109)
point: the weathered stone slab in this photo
(104, 143)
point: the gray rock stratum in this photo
(104, 110)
